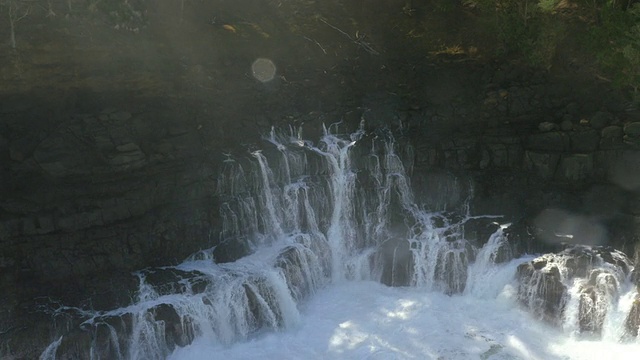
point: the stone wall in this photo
(528, 144)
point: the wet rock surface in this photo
(632, 323)
(541, 290)
(598, 273)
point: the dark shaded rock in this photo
(498, 155)
(539, 263)
(398, 263)
(547, 126)
(525, 239)
(632, 129)
(573, 108)
(566, 125)
(580, 260)
(128, 155)
(120, 116)
(542, 164)
(166, 281)
(576, 167)
(585, 141)
(631, 142)
(601, 119)
(479, 230)
(448, 185)
(550, 141)
(604, 201)
(611, 137)
(625, 170)
(63, 154)
(177, 331)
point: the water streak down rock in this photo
(632, 323)
(541, 290)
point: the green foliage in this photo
(525, 28)
(532, 29)
(547, 35)
(615, 41)
(444, 5)
(548, 5)
(123, 14)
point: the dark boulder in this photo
(527, 238)
(601, 119)
(584, 141)
(397, 262)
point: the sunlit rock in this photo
(596, 297)
(302, 270)
(264, 304)
(632, 323)
(597, 272)
(542, 290)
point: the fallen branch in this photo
(600, 77)
(359, 40)
(317, 43)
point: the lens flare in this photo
(263, 69)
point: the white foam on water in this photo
(367, 320)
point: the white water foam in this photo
(366, 320)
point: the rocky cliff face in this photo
(530, 147)
(113, 130)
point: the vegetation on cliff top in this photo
(603, 36)
(535, 31)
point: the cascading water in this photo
(341, 215)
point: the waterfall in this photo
(483, 276)
(316, 215)
(50, 352)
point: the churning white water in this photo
(327, 224)
(367, 320)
